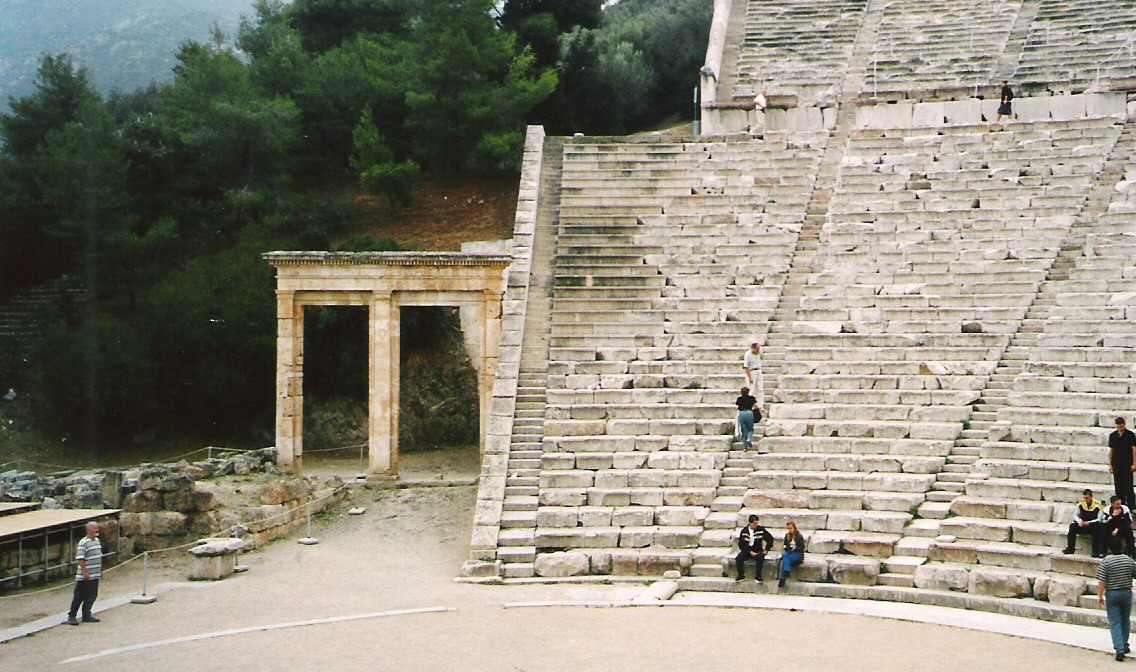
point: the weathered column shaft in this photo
(383, 385)
(490, 352)
(289, 382)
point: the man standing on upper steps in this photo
(1122, 462)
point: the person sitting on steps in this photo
(1089, 519)
(793, 553)
(754, 541)
(1118, 525)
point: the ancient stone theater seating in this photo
(945, 308)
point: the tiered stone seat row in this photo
(670, 259)
(932, 44)
(796, 45)
(1050, 440)
(1076, 44)
(922, 275)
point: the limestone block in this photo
(813, 569)
(566, 497)
(870, 544)
(1066, 590)
(776, 499)
(624, 427)
(600, 559)
(562, 564)
(633, 516)
(595, 516)
(636, 537)
(595, 537)
(600, 497)
(681, 515)
(854, 571)
(656, 562)
(677, 537)
(645, 497)
(936, 576)
(999, 583)
(557, 516)
(825, 541)
(688, 496)
(978, 508)
(625, 563)
(574, 427)
(1041, 587)
(213, 567)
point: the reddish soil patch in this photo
(448, 210)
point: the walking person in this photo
(1115, 595)
(747, 417)
(754, 541)
(751, 365)
(1005, 103)
(1122, 461)
(760, 102)
(1089, 519)
(89, 559)
(793, 553)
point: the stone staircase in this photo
(519, 510)
(23, 313)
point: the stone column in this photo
(289, 382)
(383, 384)
(490, 352)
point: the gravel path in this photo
(402, 555)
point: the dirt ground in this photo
(403, 554)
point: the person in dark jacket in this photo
(754, 541)
(1118, 525)
(793, 554)
(1122, 461)
(1005, 103)
(1088, 519)
(747, 416)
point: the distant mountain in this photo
(124, 43)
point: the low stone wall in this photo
(514, 308)
(167, 505)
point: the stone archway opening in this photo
(438, 398)
(335, 389)
(383, 283)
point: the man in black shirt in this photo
(1122, 462)
(753, 542)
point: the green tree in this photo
(62, 92)
(367, 72)
(472, 89)
(539, 23)
(275, 49)
(213, 329)
(326, 24)
(379, 174)
(229, 134)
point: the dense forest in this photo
(160, 201)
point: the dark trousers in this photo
(740, 561)
(1094, 530)
(1122, 479)
(85, 594)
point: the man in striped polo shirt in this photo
(1115, 575)
(89, 560)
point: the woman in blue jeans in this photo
(793, 552)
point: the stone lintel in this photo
(299, 258)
